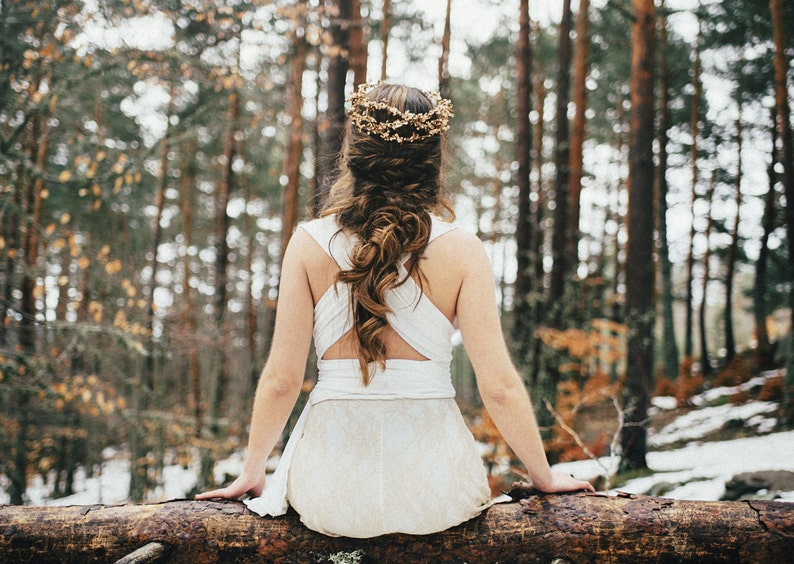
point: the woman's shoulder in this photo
(458, 245)
(452, 234)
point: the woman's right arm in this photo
(501, 388)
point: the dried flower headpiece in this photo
(423, 125)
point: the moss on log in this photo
(540, 528)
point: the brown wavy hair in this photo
(384, 196)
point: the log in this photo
(541, 528)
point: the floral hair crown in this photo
(423, 126)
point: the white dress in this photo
(393, 456)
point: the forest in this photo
(627, 163)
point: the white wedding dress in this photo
(393, 456)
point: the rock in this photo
(742, 485)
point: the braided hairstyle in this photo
(383, 197)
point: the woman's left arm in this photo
(282, 376)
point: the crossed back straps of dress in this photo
(414, 318)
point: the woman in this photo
(381, 282)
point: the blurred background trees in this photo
(155, 157)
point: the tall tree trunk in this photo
(525, 244)
(560, 268)
(694, 128)
(292, 152)
(669, 344)
(385, 29)
(705, 363)
(760, 310)
(143, 390)
(639, 278)
(38, 156)
(581, 55)
(222, 225)
(536, 227)
(10, 217)
(787, 157)
(251, 309)
(617, 299)
(188, 310)
(539, 208)
(443, 60)
(358, 44)
(733, 249)
(26, 341)
(332, 122)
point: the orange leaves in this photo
(88, 395)
(601, 343)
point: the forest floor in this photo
(693, 452)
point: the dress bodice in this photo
(413, 316)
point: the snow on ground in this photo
(701, 468)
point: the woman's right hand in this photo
(244, 484)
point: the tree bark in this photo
(694, 129)
(572, 528)
(639, 278)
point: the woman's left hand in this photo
(241, 486)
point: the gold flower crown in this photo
(424, 125)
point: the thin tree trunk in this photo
(581, 52)
(537, 233)
(385, 29)
(333, 120)
(560, 268)
(669, 344)
(188, 310)
(639, 278)
(694, 127)
(787, 157)
(292, 153)
(542, 200)
(143, 390)
(705, 363)
(733, 249)
(760, 310)
(443, 60)
(522, 336)
(358, 44)
(619, 268)
(251, 309)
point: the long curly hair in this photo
(384, 197)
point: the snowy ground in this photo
(697, 470)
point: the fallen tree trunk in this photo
(540, 528)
